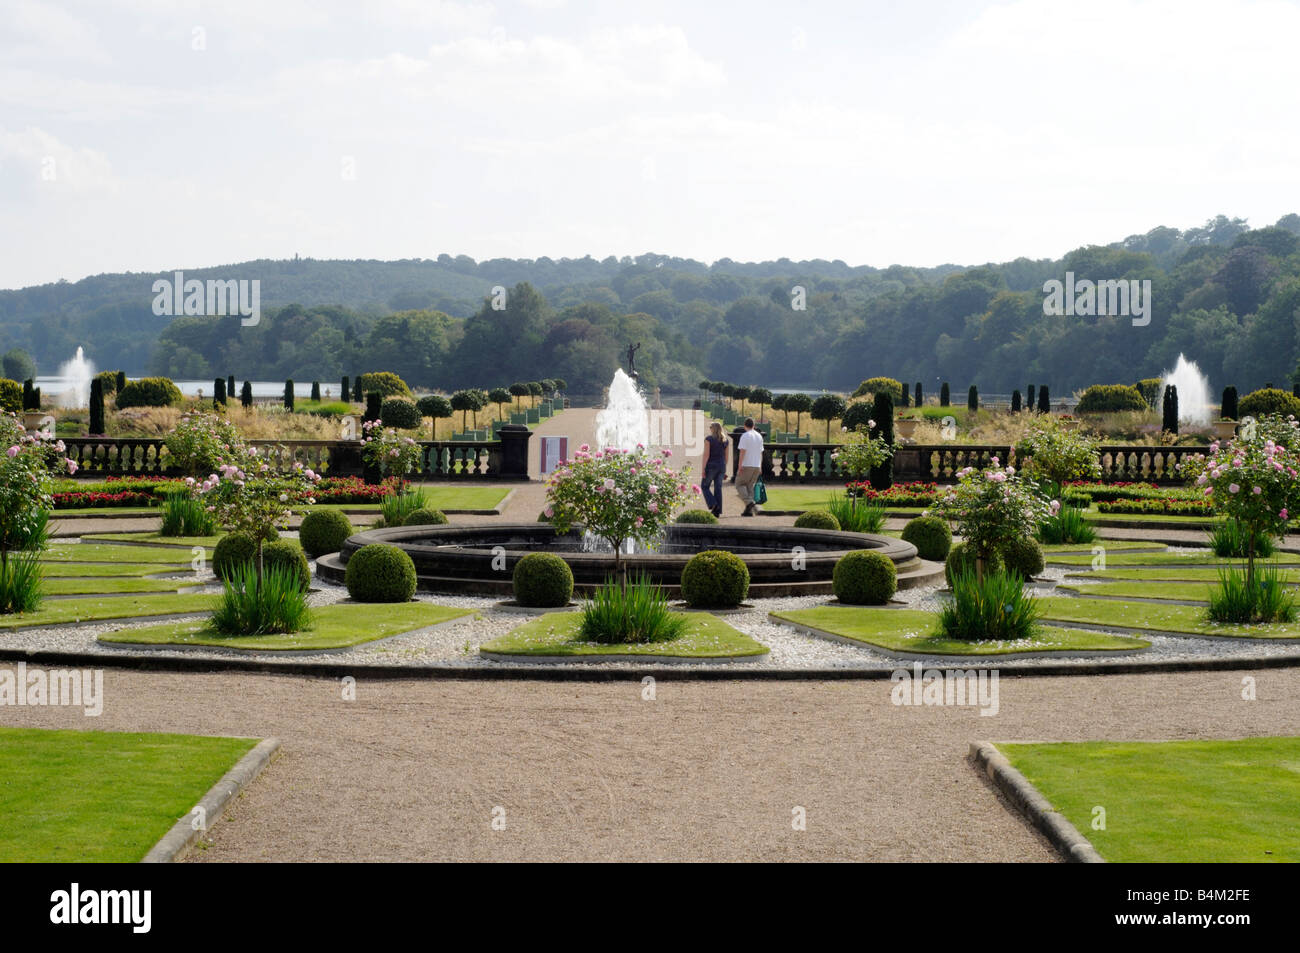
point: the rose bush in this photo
(389, 452)
(992, 507)
(201, 441)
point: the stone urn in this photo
(1225, 429)
(905, 427)
(1070, 423)
(38, 420)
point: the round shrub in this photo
(543, 581)
(435, 406)
(400, 413)
(424, 516)
(696, 516)
(962, 556)
(1268, 400)
(930, 535)
(380, 573)
(864, 577)
(715, 579)
(234, 550)
(1111, 398)
(11, 396)
(149, 392)
(1023, 557)
(288, 554)
(817, 519)
(324, 531)
(383, 382)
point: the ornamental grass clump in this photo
(183, 515)
(273, 602)
(992, 607)
(1268, 599)
(631, 612)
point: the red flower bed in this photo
(900, 494)
(350, 490)
(78, 499)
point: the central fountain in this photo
(1193, 391)
(782, 560)
(77, 374)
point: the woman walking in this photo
(714, 467)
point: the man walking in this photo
(751, 465)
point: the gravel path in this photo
(412, 770)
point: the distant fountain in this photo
(75, 375)
(625, 420)
(1193, 391)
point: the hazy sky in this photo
(147, 135)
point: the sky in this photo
(142, 135)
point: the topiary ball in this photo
(962, 556)
(400, 413)
(715, 579)
(865, 578)
(1023, 557)
(543, 581)
(234, 550)
(817, 519)
(324, 531)
(288, 554)
(696, 516)
(380, 573)
(931, 536)
(425, 517)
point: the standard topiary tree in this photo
(425, 516)
(817, 519)
(761, 396)
(543, 581)
(945, 395)
(715, 579)
(380, 573)
(400, 413)
(1228, 408)
(324, 531)
(500, 396)
(882, 475)
(437, 407)
(246, 395)
(288, 395)
(931, 536)
(96, 428)
(865, 578)
(695, 516)
(798, 404)
(1023, 556)
(828, 407)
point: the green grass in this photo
(58, 568)
(1175, 801)
(89, 587)
(799, 497)
(114, 554)
(1094, 516)
(556, 633)
(332, 627)
(1190, 574)
(89, 609)
(910, 630)
(158, 539)
(1155, 589)
(1156, 617)
(1110, 544)
(1162, 559)
(443, 497)
(94, 796)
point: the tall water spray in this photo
(625, 420)
(1193, 391)
(76, 375)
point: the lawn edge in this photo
(1030, 802)
(176, 843)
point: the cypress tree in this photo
(96, 407)
(1015, 401)
(357, 394)
(1169, 408)
(218, 393)
(288, 394)
(374, 400)
(121, 381)
(346, 392)
(1228, 410)
(36, 398)
(944, 394)
(882, 412)
(315, 391)
(246, 394)
(919, 395)
(230, 387)
(905, 394)
(972, 399)
(27, 394)
(1044, 401)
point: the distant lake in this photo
(55, 385)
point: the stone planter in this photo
(905, 428)
(1071, 424)
(1225, 429)
(38, 420)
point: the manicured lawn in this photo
(800, 497)
(1101, 519)
(1175, 559)
(442, 497)
(1110, 544)
(62, 611)
(1196, 591)
(114, 554)
(556, 633)
(57, 568)
(334, 626)
(111, 584)
(186, 542)
(96, 796)
(910, 630)
(1175, 801)
(1156, 617)
(1190, 574)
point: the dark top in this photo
(717, 457)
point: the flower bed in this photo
(900, 494)
(1112, 492)
(352, 490)
(1167, 507)
(92, 498)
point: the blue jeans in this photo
(711, 487)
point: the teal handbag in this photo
(760, 492)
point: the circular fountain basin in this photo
(782, 561)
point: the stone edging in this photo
(1030, 801)
(177, 842)
(589, 659)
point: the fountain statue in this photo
(625, 420)
(1193, 391)
(631, 360)
(76, 375)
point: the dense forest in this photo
(1226, 295)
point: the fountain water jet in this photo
(76, 373)
(625, 420)
(1193, 391)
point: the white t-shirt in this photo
(751, 448)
